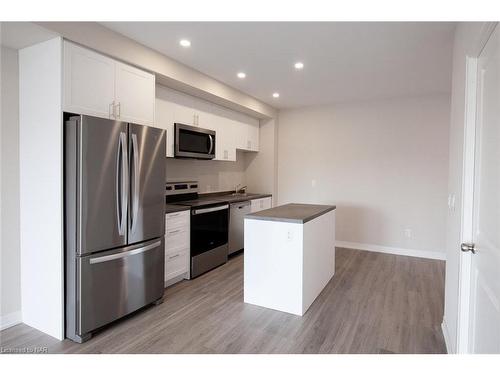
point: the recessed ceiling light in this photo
(276, 95)
(241, 75)
(299, 65)
(185, 43)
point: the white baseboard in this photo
(10, 320)
(446, 334)
(392, 250)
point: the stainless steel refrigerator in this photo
(114, 221)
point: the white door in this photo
(484, 328)
(89, 82)
(134, 95)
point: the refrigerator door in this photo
(115, 283)
(147, 183)
(102, 184)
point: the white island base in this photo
(289, 259)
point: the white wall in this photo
(10, 306)
(383, 163)
(466, 38)
(212, 175)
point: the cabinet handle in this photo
(173, 256)
(119, 105)
(174, 231)
(112, 108)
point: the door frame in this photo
(466, 230)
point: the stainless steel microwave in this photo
(194, 142)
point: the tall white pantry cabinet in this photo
(57, 76)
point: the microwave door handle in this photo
(211, 144)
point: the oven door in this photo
(209, 228)
(194, 142)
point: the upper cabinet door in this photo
(164, 119)
(253, 136)
(89, 82)
(134, 95)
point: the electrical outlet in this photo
(408, 233)
(289, 236)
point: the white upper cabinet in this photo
(253, 136)
(134, 95)
(99, 86)
(225, 143)
(164, 117)
(89, 82)
(247, 134)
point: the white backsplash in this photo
(212, 176)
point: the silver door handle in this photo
(125, 254)
(466, 247)
(173, 256)
(121, 186)
(135, 197)
(211, 143)
(112, 105)
(174, 231)
(211, 209)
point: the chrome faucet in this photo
(239, 188)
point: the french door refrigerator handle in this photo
(135, 177)
(125, 254)
(123, 184)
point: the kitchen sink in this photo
(239, 194)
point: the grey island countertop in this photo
(292, 213)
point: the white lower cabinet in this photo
(261, 204)
(177, 243)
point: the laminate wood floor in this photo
(375, 303)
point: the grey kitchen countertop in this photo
(221, 197)
(170, 208)
(292, 213)
(239, 198)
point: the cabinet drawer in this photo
(176, 264)
(177, 219)
(177, 238)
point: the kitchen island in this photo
(289, 256)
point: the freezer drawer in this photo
(115, 283)
(236, 225)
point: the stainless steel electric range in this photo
(209, 225)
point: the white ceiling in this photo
(343, 61)
(18, 35)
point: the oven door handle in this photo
(211, 209)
